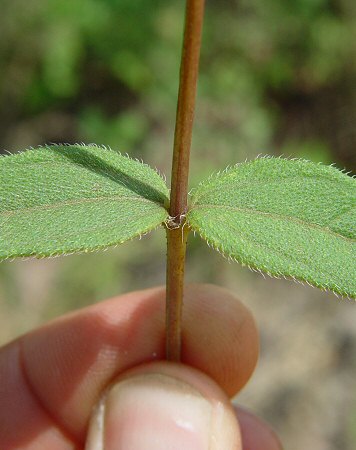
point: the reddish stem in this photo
(176, 233)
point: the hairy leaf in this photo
(285, 217)
(62, 199)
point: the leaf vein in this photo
(74, 202)
(276, 216)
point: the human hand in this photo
(52, 377)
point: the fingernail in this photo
(153, 411)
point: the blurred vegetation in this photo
(277, 77)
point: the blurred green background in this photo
(277, 77)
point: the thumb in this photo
(164, 406)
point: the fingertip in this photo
(220, 336)
(164, 405)
(255, 433)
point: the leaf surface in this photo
(62, 199)
(285, 217)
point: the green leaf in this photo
(62, 199)
(284, 217)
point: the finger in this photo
(164, 405)
(255, 433)
(220, 336)
(68, 362)
(24, 424)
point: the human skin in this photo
(52, 377)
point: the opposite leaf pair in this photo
(284, 217)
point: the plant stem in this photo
(177, 233)
(176, 245)
(186, 104)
